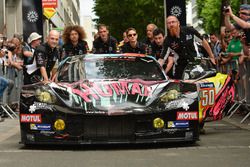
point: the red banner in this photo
(49, 3)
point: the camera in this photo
(11, 47)
(225, 9)
(5, 50)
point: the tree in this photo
(209, 11)
(120, 15)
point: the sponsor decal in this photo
(178, 124)
(31, 118)
(37, 106)
(95, 112)
(47, 133)
(185, 106)
(207, 85)
(180, 103)
(87, 92)
(170, 131)
(30, 137)
(44, 127)
(187, 116)
(207, 94)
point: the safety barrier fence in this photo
(10, 97)
(242, 96)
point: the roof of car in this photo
(117, 55)
(106, 56)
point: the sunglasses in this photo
(130, 35)
(244, 13)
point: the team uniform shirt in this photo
(156, 51)
(100, 47)
(140, 48)
(45, 57)
(69, 49)
(184, 46)
(149, 46)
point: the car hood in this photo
(108, 95)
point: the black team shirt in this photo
(184, 46)
(100, 47)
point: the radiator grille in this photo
(108, 128)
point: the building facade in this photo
(67, 13)
(90, 29)
(192, 17)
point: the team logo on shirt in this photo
(188, 37)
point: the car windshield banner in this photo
(178, 9)
(32, 18)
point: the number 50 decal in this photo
(207, 97)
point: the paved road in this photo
(225, 144)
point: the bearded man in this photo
(180, 40)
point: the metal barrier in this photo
(242, 98)
(247, 105)
(13, 96)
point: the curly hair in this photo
(67, 31)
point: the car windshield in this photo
(144, 68)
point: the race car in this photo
(109, 98)
(216, 90)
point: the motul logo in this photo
(31, 118)
(187, 116)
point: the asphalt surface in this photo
(225, 144)
(9, 126)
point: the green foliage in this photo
(120, 15)
(209, 11)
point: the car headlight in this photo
(170, 95)
(45, 96)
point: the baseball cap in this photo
(245, 7)
(33, 36)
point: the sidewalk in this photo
(8, 128)
(236, 119)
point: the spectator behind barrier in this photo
(4, 83)
(34, 40)
(242, 22)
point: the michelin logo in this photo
(44, 127)
(178, 124)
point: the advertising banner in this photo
(32, 17)
(49, 3)
(178, 9)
